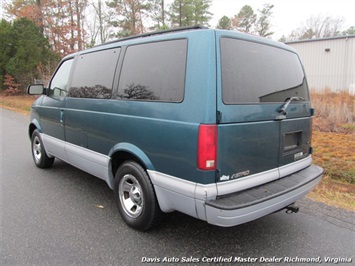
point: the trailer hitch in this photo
(292, 208)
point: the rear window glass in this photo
(154, 72)
(93, 74)
(258, 73)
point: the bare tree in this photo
(61, 21)
(318, 27)
(98, 27)
(158, 15)
(349, 31)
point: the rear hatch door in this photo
(263, 108)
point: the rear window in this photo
(154, 72)
(259, 73)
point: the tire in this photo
(39, 154)
(135, 197)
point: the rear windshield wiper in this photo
(282, 109)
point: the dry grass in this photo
(334, 193)
(19, 103)
(334, 147)
(335, 152)
(334, 112)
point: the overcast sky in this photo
(287, 14)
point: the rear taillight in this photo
(207, 147)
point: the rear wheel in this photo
(135, 197)
(40, 157)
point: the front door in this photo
(52, 113)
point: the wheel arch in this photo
(33, 126)
(126, 151)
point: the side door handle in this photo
(61, 118)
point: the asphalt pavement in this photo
(63, 216)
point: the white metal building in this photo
(328, 62)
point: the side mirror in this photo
(36, 89)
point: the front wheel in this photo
(135, 197)
(40, 157)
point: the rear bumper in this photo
(253, 203)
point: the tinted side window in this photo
(253, 73)
(154, 72)
(59, 82)
(93, 74)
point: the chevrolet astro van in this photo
(211, 123)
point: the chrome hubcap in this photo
(131, 196)
(37, 149)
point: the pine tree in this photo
(225, 23)
(263, 23)
(190, 12)
(26, 51)
(245, 20)
(131, 14)
(5, 48)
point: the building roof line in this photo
(323, 39)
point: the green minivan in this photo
(211, 123)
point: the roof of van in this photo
(196, 27)
(247, 36)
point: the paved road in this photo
(64, 216)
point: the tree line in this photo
(250, 22)
(37, 33)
